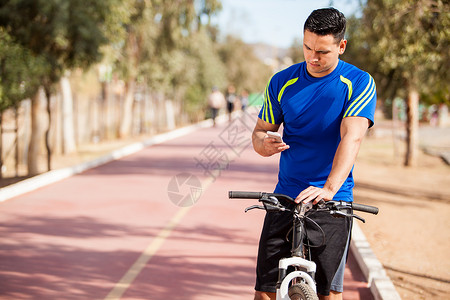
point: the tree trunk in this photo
(170, 114)
(125, 126)
(69, 144)
(395, 128)
(34, 149)
(1, 145)
(102, 116)
(26, 136)
(16, 137)
(47, 131)
(412, 126)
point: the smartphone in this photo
(275, 135)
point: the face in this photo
(321, 53)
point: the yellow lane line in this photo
(141, 262)
(127, 279)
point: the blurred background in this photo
(77, 73)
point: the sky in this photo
(274, 22)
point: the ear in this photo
(342, 46)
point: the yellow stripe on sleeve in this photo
(272, 119)
(266, 104)
(290, 82)
(367, 101)
(349, 84)
(355, 104)
(371, 91)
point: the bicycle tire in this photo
(302, 291)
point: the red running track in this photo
(113, 232)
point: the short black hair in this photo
(327, 21)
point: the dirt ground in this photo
(411, 234)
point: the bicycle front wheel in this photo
(302, 291)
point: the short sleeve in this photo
(362, 99)
(271, 111)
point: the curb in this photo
(50, 177)
(443, 153)
(380, 284)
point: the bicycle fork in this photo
(284, 279)
(304, 269)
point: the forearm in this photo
(352, 133)
(258, 137)
(264, 145)
(343, 162)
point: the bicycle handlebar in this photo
(260, 195)
(365, 208)
(256, 195)
(244, 195)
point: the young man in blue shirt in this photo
(326, 107)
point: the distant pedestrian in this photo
(244, 100)
(434, 115)
(230, 96)
(216, 101)
(443, 115)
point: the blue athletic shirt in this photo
(311, 110)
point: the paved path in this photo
(114, 232)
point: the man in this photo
(325, 106)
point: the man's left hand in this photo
(314, 194)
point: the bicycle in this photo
(299, 284)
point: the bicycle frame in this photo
(304, 269)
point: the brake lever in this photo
(272, 208)
(340, 214)
(254, 207)
(270, 200)
(359, 218)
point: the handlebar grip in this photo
(365, 208)
(244, 195)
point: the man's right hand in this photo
(272, 146)
(262, 143)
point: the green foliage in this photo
(20, 72)
(244, 69)
(408, 41)
(165, 50)
(295, 51)
(169, 46)
(208, 71)
(65, 33)
(209, 7)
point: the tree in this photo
(64, 34)
(206, 71)
(158, 50)
(295, 51)
(244, 69)
(409, 41)
(19, 73)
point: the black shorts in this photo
(273, 246)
